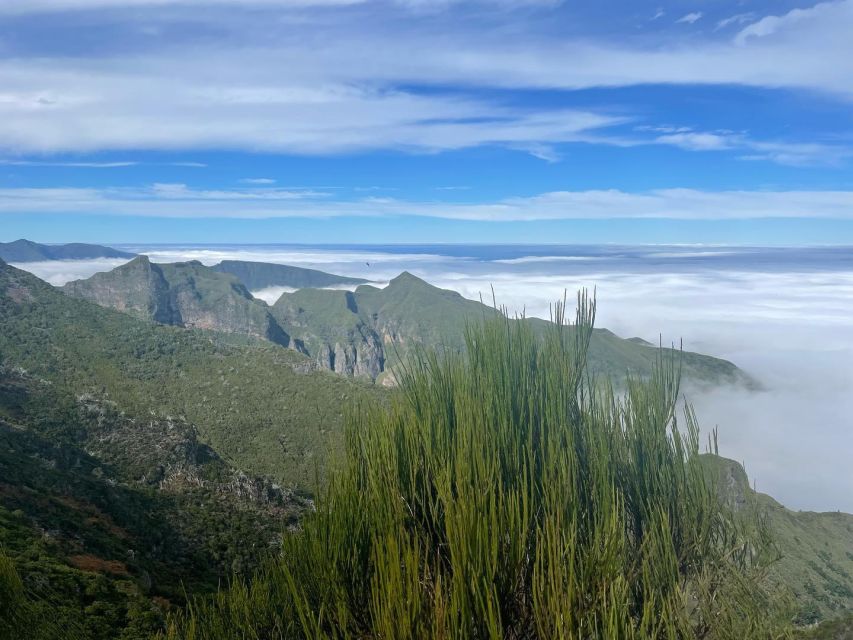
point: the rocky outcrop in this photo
(184, 294)
(165, 452)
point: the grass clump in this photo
(505, 495)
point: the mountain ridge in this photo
(28, 251)
(368, 332)
(184, 294)
(262, 275)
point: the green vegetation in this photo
(816, 563)
(263, 408)
(28, 251)
(837, 629)
(109, 520)
(503, 496)
(260, 275)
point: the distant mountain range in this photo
(367, 332)
(262, 275)
(28, 251)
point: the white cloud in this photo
(272, 95)
(813, 16)
(737, 19)
(84, 165)
(690, 18)
(46, 6)
(258, 181)
(542, 151)
(696, 141)
(179, 200)
(109, 105)
(788, 153)
(58, 272)
(23, 7)
(107, 164)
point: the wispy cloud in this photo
(179, 200)
(50, 6)
(84, 165)
(544, 152)
(780, 152)
(118, 164)
(258, 181)
(737, 19)
(690, 18)
(170, 107)
(18, 7)
(346, 95)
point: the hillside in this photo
(260, 275)
(816, 548)
(28, 251)
(109, 519)
(183, 294)
(371, 331)
(264, 408)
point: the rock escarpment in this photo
(185, 294)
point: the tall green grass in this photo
(505, 495)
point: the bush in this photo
(504, 495)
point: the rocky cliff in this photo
(186, 294)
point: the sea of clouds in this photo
(789, 328)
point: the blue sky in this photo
(426, 121)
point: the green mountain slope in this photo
(110, 519)
(371, 331)
(28, 251)
(816, 549)
(264, 408)
(184, 294)
(260, 275)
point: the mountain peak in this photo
(406, 278)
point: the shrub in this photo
(505, 495)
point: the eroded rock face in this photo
(363, 356)
(183, 294)
(165, 452)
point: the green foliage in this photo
(835, 629)
(503, 495)
(97, 544)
